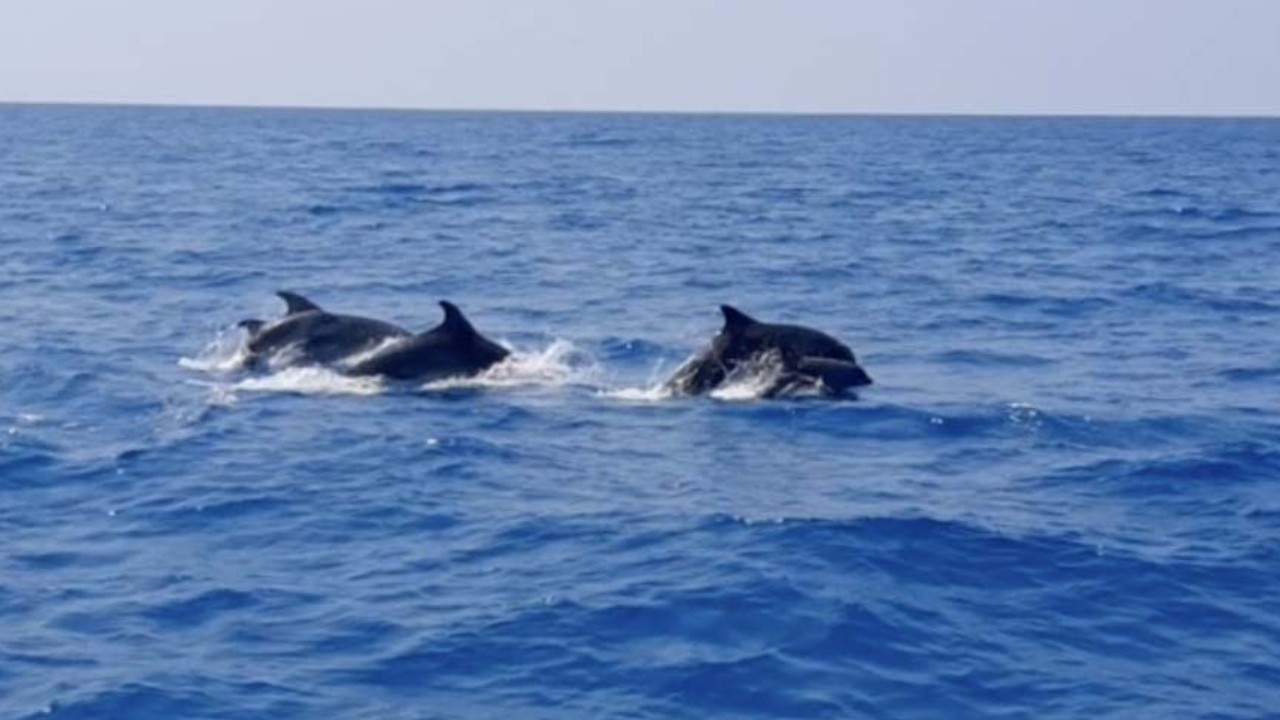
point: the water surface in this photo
(1060, 499)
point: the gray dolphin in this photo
(808, 358)
(452, 349)
(309, 335)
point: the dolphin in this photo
(452, 349)
(309, 335)
(807, 358)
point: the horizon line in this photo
(630, 111)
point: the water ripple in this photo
(1057, 501)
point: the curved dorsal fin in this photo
(295, 303)
(736, 320)
(454, 321)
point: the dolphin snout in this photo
(837, 375)
(859, 377)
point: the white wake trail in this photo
(559, 364)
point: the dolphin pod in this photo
(801, 357)
(795, 357)
(310, 335)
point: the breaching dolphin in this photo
(452, 349)
(805, 357)
(309, 335)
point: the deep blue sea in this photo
(1061, 498)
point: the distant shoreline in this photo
(5, 104)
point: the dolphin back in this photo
(452, 349)
(308, 335)
(808, 357)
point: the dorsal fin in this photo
(295, 303)
(736, 320)
(454, 321)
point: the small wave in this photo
(1238, 233)
(1161, 192)
(1250, 374)
(396, 188)
(125, 701)
(199, 609)
(1198, 213)
(986, 357)
(1049, 305)
(1167, 292)
(996, 422)
(22, 458)
(1197, 473)
(25, 418)
(598, 141)
(1228, 214)
(462, 187)
(413, 188)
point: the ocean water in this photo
(1061, 498)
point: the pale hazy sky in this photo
(949, 56)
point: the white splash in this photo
(226, 353)
(657, 389)
(651, 394)
(764, 377)
(222, 396)
(749, 382)
(310, 381)
(559, 364)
